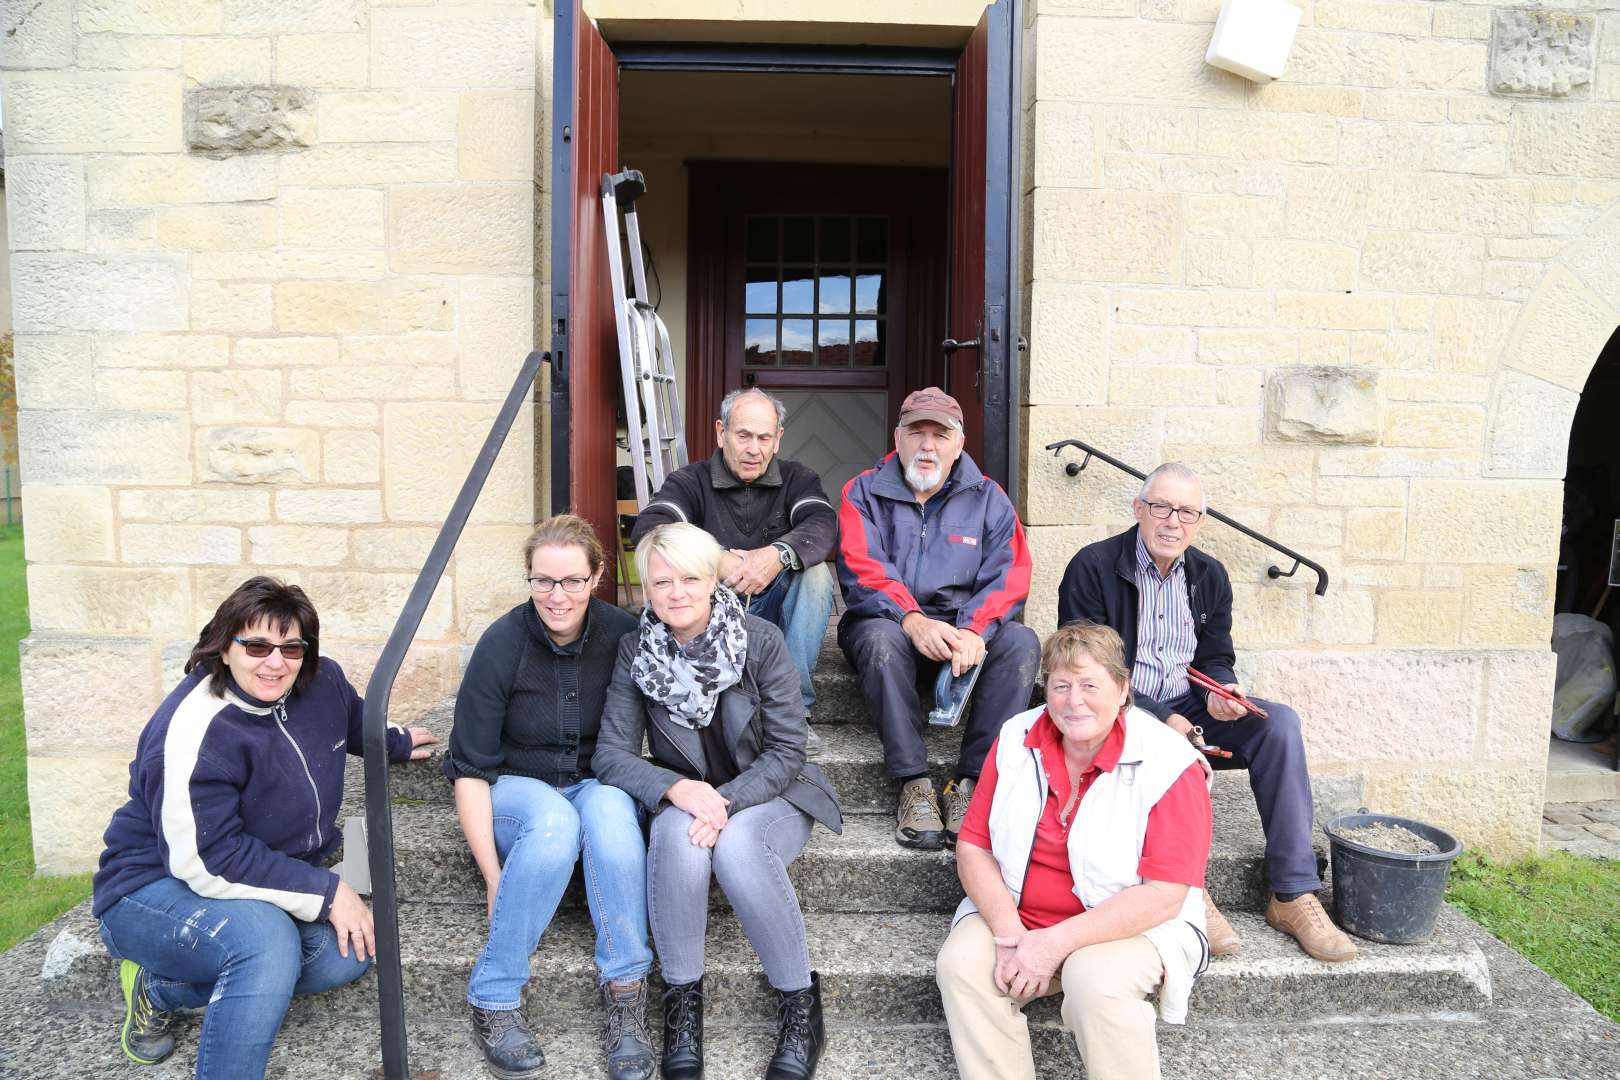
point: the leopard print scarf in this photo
(687, 680)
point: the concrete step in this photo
(875, 966)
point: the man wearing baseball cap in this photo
(934, 567)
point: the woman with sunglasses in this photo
(213, 890)
(530, 806)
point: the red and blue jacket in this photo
(965, 563)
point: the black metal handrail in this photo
(374, 721)
(1075, 468)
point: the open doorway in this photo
(1587, 621)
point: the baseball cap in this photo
(931, 403)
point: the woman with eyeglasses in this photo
(716, 696)
(521, 759)
(212, 889)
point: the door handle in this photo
(950, 345)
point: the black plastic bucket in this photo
(1385, 895)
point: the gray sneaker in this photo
(145, 1036)
(917, 821)
(625, 1038)
(958, 793)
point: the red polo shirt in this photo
(1176, 847)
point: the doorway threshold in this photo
(1581, 772)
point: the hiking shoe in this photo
(146, 1037)
(509, 1048)
(958, 793)
(683, 1032)
(917, 821)
(1303, 919)
(1223, 940)
(625, 1038)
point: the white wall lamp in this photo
(1252, 38)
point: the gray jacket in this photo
(764, 724)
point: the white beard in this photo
(920, 483)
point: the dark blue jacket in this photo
(238, 799)
(967, 565)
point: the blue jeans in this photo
(539, 832)
(241, 960)
(799, 603)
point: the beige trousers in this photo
(1104, 987)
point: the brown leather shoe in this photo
(1223, 940)
(1304, 920)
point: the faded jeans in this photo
(799, 603)
(241, 960)
(540, 831)
(750, 861)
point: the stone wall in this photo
(1363, 301)
(274, 264)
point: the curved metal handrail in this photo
(1075, 468)
(374, 721)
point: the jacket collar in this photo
(1192, 559)
(721, 477)
(537, 630)
(890, 481)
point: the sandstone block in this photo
(458, 48)
(1360, 491)
(187, 544)
(1446, 65)
(1197, 175)
(70, 801)
(36, 35)
(1473, 109)
(1594, 258)
(1205, 426)
(1384, 146)
(287, 264)
(1564, 328)
(1129, 344)
(1066, 144)
(1141, 129)
(85, 446)
(427, 677)
(175, 178)
(47, 203)
(201, 505)
(1405, 107)
(1462, 22)
(1343, 58)
(1291, 97)
(1391, 351)
(317, 218)
(334, 414)
(162, 351)
(293, 16)
(351, 457)
(323, 60)
(388, 116)
(1268, 136)
(1267, 615)
(61, 673)
(1066, 362)
(1540, 53)
(394, 548)
(389, 383)
(1518, 683)
(1470, 148)
(427, 450)
(496, 332)
(404, 350)
(1342, 617)
(74, 292)
(1529, 428)
(1303, 264)
(217, 227)
(1052, 547)
(1161, 63)
(1447, 525)
(1552, 140)
(460, 229)
(1469, 333)
(53, 371)
(1194, 307)
(1160, 385)
(150, 16)
(121, 230)
(328, 505)
(119, 53)
(235, 397)
(1095, 496)
(236, 306)
(1218, 263)
(1420, 617)
(1272, 476)
(1258, 348)
(1321, 404)
(1496, 810)
(1439, 427)
(101, 111)
(298, 545)
(488, 565)
(1386, 461)
(1430, 386)
(1508, 605)
(284, 352)
(1374, 533)
(1333, 311)
(229, 61)
(137, 388)
(68, 524)
(1446, 203)
(1234, 218)
(224, 122)
(109, 600)
(355, 604)
(340, 307)
(258, 455)
(1383, 707)
(371, 163)
(1373, 17)
(496, 135)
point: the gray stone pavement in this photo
(1584, 828)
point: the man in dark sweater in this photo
(772, 517)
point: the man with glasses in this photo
(1172, 606)
(770, 514)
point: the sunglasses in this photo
(258, 648)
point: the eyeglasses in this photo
(1184, 514)
(258, 648)
(543, 585)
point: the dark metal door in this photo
(584, 346)
(982, 354)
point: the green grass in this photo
(1560, 910)
(26, 902)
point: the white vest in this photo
(1105, 841)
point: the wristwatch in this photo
(785, 553)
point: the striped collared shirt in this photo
(1165, 635)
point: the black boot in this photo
(683, 1031)
(625, 1038)
(798, 1045)
(509, 1049)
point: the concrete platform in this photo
(1581, 772)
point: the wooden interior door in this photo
(981, 350)
(584, 343)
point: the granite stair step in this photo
(880, 966)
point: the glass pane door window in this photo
(815, 290)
